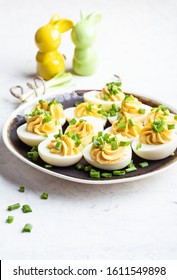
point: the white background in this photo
(138, 41)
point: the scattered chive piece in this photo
(57, 122)
(10, 219)
(175, 117)
(44, 196)
(130, 169)
(114, 145)
(142, 111)
(26, 208)
(27, 228)
(138, 146)
(124, 143)
(121, 125)
(88, 168)
(77, 103)
(89, 107)
(58, 146)
(157, 126)
(131, 122)
(106, 97)
(95, 174)
(172, 154)
(21, 188)
(143, 164)
(106, 175)
(73, 121)
(48, 166)
(79, 166)
(129, 98)
(13, 206)
(119, 117)
(171, 126)
(119, 172)
(33, 154)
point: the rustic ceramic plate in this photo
(20, 150)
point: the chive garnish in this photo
(60, 133)
(129, 98)
(79, 166)
(73, 121)
(118, 172)
(157, 126)
(121, 125)
(48, 166)
(106, 175)
(44, 196)
(142, 111)
(175, 117)
(171, 126)
(21, 188)
(27, 228)
(114, 145)
(124, 143)
(13, 206)
(77, 103)
(26, 208)
(89, 107)
(106, 97)
(131, 122)
(95, 174)
(33, 154)
(10, 219)
(130, 169)
(88, 168)
(138, 146)
(143, 164)
(58, 146)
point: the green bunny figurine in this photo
(83, 36)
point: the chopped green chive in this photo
(157, 126)
(175, 117)
(121, 125)
(27, 228)
(21, 188)
(138, 146)
(26, 208)
(143, 164)
(60, 133)
(106, 175)
(95, 174)
(130, 169)
(142, 111)
(44, 196)
(89, 107)
(172, 154)
(129, 98)
(77, 103)
(46, 135)
(124, 143)
(103, 113)
(171, 126)
(41, 102)
(119, 117)
(13, 206)
(33, 154)
(58, 146)
(79, 166)
(114, 145)
(10, 219)
(73, 121)
(119, 172)
(106, 97)
(48, 166)
(88, 168)
(47, 118)
(131, 122)
(57, 122)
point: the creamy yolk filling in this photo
(110, 97)
(87, 109)
(84, 130)
(65, 148)
(38, 126)
(158, 115)
(55, 109)
(108, 156)
(128, 130)
(148, 136)
(131, 108)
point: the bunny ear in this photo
(55, 19)
(94, 18)
(65, 24)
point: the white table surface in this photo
(137, 220)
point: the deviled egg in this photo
(37, 129)
(133, 109)
(126, 127)
(156, 141)
(53, 107)
(108, 153)
(85, 129)
(86, 109)
(110, 94)
(61, 151)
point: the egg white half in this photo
(90, 96)
(32, 139)
(55, 159)
(115, 166)
(155, 152)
